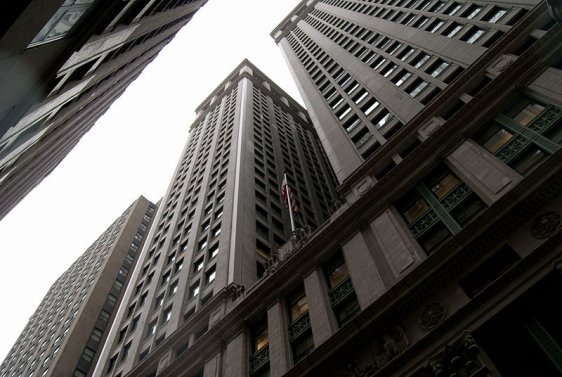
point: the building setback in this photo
(63, 64)
(223, 218)
(65, 334)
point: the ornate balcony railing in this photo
(341, 291)
(525, 135)
(299, 326)
(259, 359)
(456, 197)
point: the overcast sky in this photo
(132, 150)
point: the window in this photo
(173, 288)
(472, 11)
(420, 60)
(341, 292)
(416, 87)
(473, 35)
(213, 252)
(210, 275)
(453, 30)
(194, 290)
(298, 305)
(438, 207)
(524, 134)
(96, 334)
(63, 21)
(401, 78)
(125, 351)
(453, 8)
(495, 15)
(151, 329)
(436, 25)
(88, 354)
(438, 67)
(202, 244)
(167, 315)
(198, 265)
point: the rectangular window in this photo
(341, 292)
(438, 207)
(194, 290)
(473, 35)
(524, 135)
(210, 275)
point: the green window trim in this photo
(529, 135)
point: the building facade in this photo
(65, 334)
(223, 219)
(367, 68)
(443, 257)
(63, 64)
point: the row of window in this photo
(341, 298)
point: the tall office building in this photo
(368, 68)
(221, 221)
(65, 334)
(63, 64)
(443, 257)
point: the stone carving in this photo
(431, 315)
(546, 225)
(364, 186)
(385, 348)
(429, 128)
(457, 359)
(557, 265)
(236, 290)
(390, 345)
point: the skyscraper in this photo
(63, 64)
(65, 334)
(367, 68)
(223, 217)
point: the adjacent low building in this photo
(65, 334)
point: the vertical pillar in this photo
(278, 339)
(236, 356)
(363, 271)
(321, 317)
(212, 366)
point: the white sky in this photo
(132, 150)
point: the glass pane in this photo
(261, 340)
(299, 306)
(442, 187)
(415, 211)
(528, 114)
(468, 210)
(338, 275)
(497, 140)
(528, 160)
(434, 237)
(65, 23)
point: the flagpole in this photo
(289, 202)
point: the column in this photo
(321, 318)
(236, 356)
(363, 271)
(278, 339)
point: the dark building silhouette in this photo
(62, 65)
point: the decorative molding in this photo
(431, 315)
(545, 225)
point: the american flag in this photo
(286, 190)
